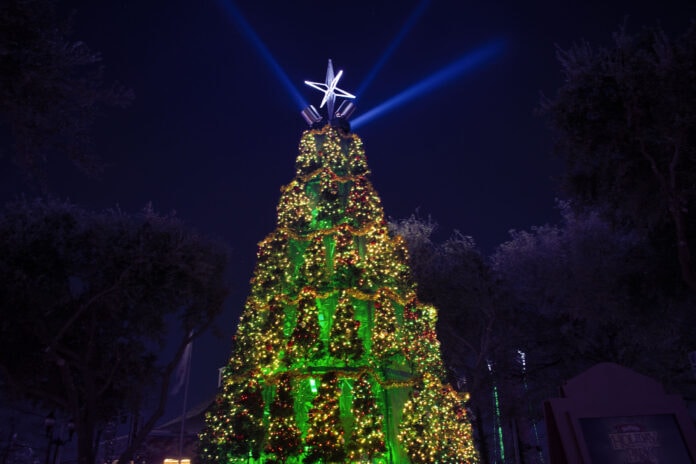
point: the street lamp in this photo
(55, 438)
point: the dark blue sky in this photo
(213, 134)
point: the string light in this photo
(335, 359)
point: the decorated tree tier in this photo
(335, 359)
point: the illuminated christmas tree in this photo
(335, 359)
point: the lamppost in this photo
(55, 437)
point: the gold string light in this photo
(332, 339)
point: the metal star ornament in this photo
(330, 89)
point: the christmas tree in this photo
(335, 359)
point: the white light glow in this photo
(330, 89)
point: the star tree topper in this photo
(330, 89)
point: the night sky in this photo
(213, 133)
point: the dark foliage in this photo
(51, 88)
(625, 121)
(475, 324)
(597, 294)
(86, 302)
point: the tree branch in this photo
(167, 371)
(675, 209)
(71, 320)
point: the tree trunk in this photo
(668, 184)
(683, 249)
(10, 441)
(85, 444)
(481, 432)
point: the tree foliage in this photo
(51, 88)
(596, 293)
(625, 120)
(474, 319)
(548, 304)
(87, 302)
(454, 277)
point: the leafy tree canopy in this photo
(625, 121)
(596, 293)
(51, 88)
(87, 302)
(474, 313)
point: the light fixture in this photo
(345, 110)
(311, 115)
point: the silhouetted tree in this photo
(625, 120)
(474, 319)
(596, 294)
(87, 301)
(51, 88)
(548, 304)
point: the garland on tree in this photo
(284, 437)
(367, 437)
(325, 438)
(345, 343)
(434, 428)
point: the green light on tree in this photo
(333, 346)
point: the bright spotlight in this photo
(236, 15)
(466, 63)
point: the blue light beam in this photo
(236, 16)
(408, 25)
(466, 63)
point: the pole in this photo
(56, 451)
(48, 450)
(187, 373)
